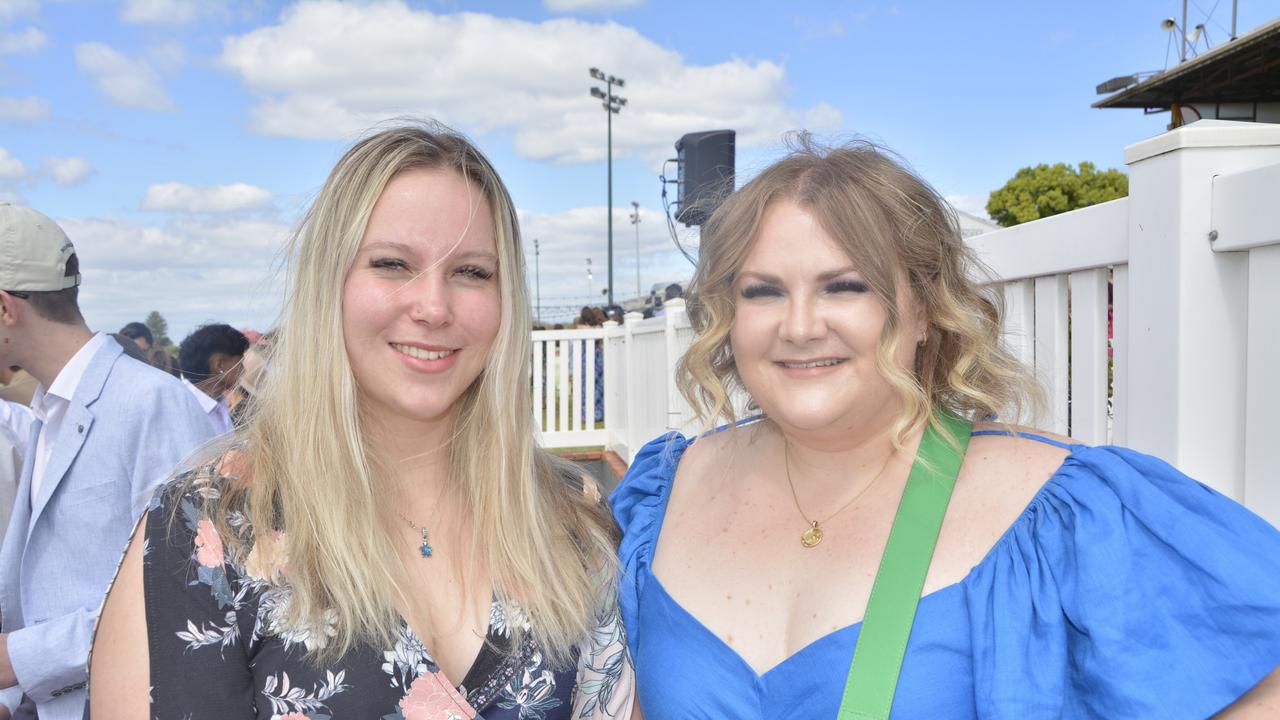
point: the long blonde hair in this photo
(892, 225)
(312, 470)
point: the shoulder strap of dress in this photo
(891, 609)
(1026, 436)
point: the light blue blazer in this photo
(128, 425)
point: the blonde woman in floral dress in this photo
(384, 539)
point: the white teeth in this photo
(420, 353)
(814, 364)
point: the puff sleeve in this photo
(639, 503)
(1126, 590)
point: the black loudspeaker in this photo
(705, 173)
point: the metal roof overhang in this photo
(1246, 69)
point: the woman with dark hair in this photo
(210, 358)
(872, 543)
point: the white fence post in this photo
(633, 386)
(1051, 348)
(615, 396)
(1188, 304)
(1262, 437)
(1089, 356)
(678, 412)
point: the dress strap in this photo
(1028, 436)
(726, 426)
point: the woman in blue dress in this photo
(834, 293)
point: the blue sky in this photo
(178, 141)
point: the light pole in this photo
(537, 283)
(588, 277)
(635, 220)
(612, 105)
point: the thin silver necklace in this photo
(425, 549)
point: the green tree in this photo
(159, 329)
(1044, 190)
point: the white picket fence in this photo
(1190, 262)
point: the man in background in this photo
(210, 358)
(156, 356)
(107, 430)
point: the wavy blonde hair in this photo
(310, 468)
(894, 228)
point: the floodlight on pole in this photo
(537, 283)
(612, 106)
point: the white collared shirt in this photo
(50, 406)
(219, 415)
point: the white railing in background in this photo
(638, 390)
(1190, 261)
(1152, 321)
(566, 370)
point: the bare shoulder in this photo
(714, 449)
(1014, 451)
(1010, 465)
(708, 458)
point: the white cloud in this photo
(10, 9)
(125, 81)
(568, 238)
(314, 79)
(28, 109)
(568, 6)
(226, 268)
(191, 270)
(68, 171)
(11, 168)
(179, 197)
(972, 204)
(27, 41)
(172, 12)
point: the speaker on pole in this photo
(705, 173)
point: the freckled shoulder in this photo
(714, 449)
(708, 458)
(1012, 463)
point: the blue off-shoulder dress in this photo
(1124, 590)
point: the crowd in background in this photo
(84, 414)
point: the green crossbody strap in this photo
(891, 609)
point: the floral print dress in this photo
(220, 647)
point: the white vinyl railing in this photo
(1152, 321)
(1189, 262)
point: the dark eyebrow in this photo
(833, 274)
(824, 277)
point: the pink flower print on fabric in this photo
(268, 558)
(233, 465)
(290, 716)
(208, 545)
(430, 697)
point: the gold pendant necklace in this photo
(813, 534)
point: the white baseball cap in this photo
(33, 252)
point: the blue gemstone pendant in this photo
(426, 548)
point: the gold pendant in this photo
(812, 536)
